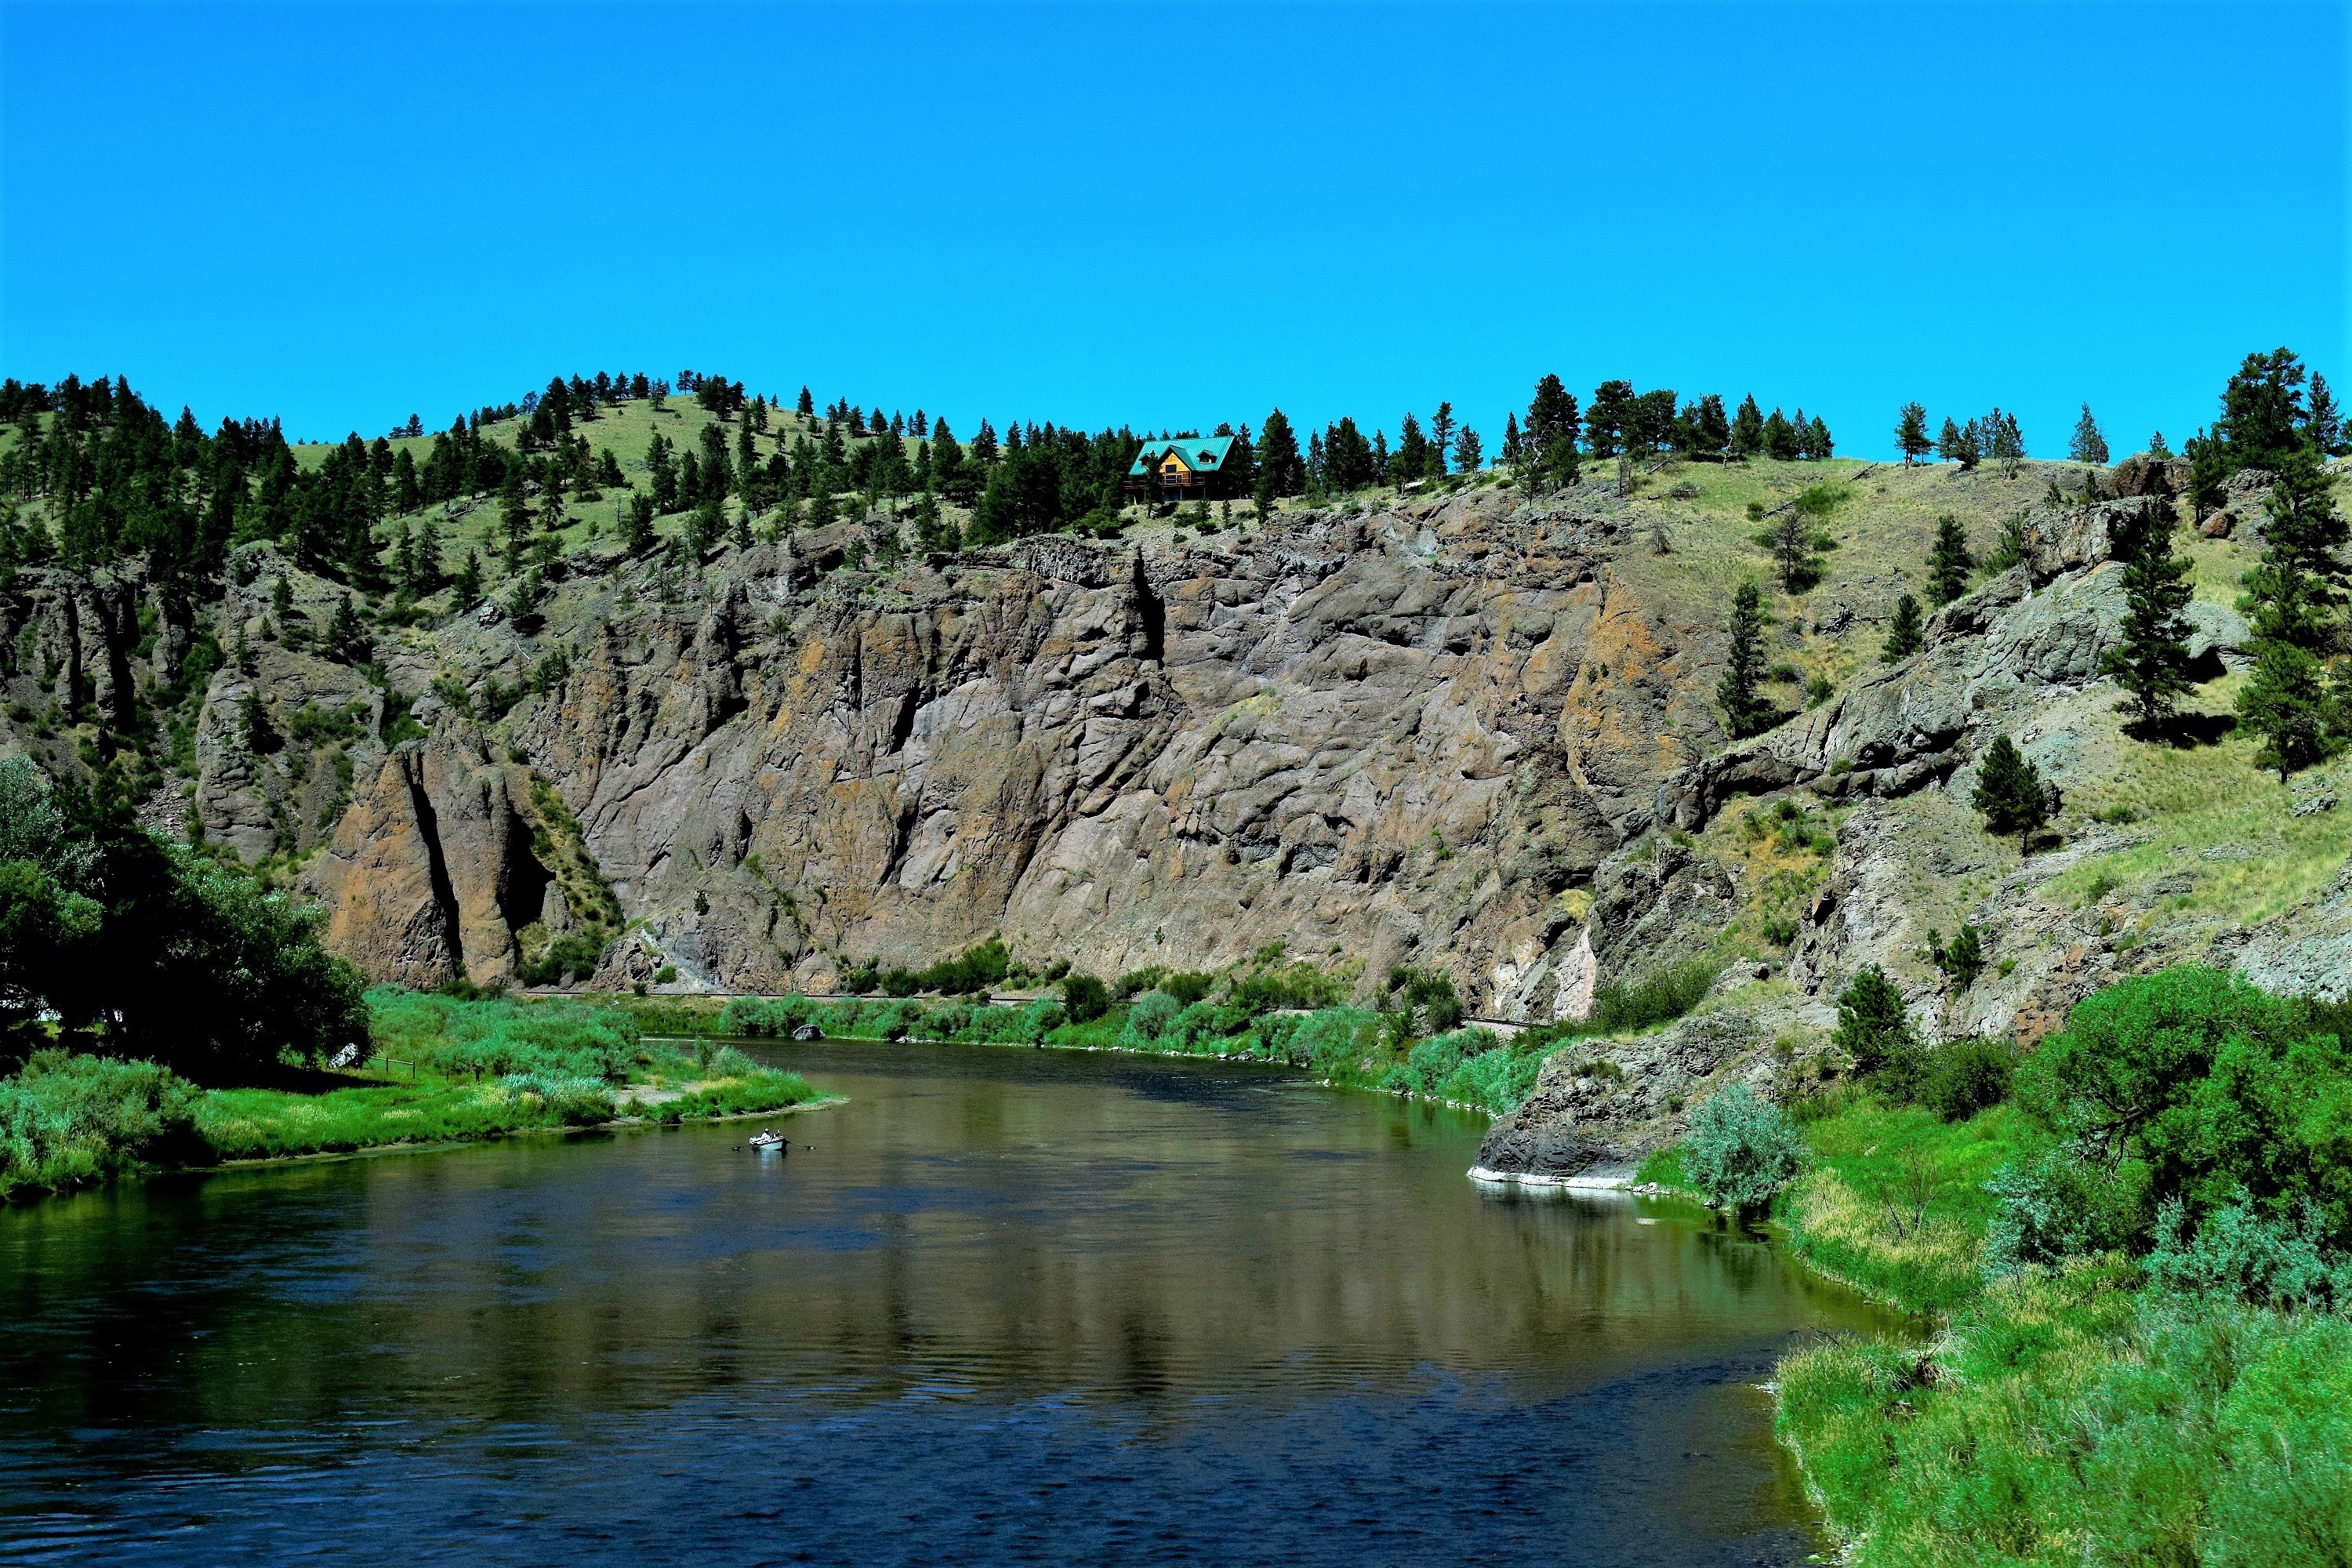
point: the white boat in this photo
(765, 1140)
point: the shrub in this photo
(2237, 1253)
(1741, 1150)
(2220, 1089)
(1425, 997)
(1966, 1077)
(1657, 998)
(2061, 1204)
(1085, 997)
(72, 1120)
(1150, 1017)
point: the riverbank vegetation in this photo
(1412, 1038)
(443, 1070)
(2137, 1264)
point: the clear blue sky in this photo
(1128, 213)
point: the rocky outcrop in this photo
(433, 872)
(1988, 658)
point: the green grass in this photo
(2069, 1418)
(445, 1071)
(2054, 1417)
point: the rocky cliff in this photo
(1475, 731)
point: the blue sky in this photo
(1173, 216)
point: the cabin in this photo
(1181, 469)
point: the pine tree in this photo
(1512, 443)
(2286, 703)
(705, 524)
(2323, 423)
(1873, 1028)
(1548, 439)
(346, 639)
(1744, 712)
(637, 525)
(427, 575)
(2009, 793)
(1280, 470)
(1911, 434)
(1606, 421)
(662, 477)
(254, 718)
(1748, 429)
(1469, 457)
(1441, 439)
(2088, 445)
(1412, 450)
(1960, 443)
(1904, 635)
(2292, 598)
(1949, 564)
(2151, 663)
(1822, 446)
(806, 406)
(465, 589)
(1790, 537)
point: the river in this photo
(1003, 1306)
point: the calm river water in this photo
(1012, 1307)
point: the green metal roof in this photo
(1201, 452)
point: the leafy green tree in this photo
(1911, 434)
(2088, 445)
(1780, 438)
(2010, 793)
(1875, 1031)
(1904, 634)
(2151, 663)
(1744, 713)
(149, 950)
(2207, 1082)
(1949, 563)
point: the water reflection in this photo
(1117, 1306)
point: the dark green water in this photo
(1012, 1306)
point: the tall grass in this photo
(70, 1121)
(2069, 1418)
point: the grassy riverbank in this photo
(443, 1070)
(1413, 1041)
(2139, 1350)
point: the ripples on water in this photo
(1012, 1307)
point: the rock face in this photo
(1390, 738)
(431, 872)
